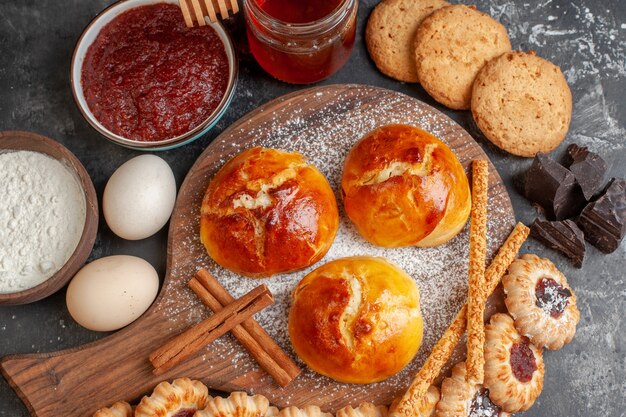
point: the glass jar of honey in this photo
(301, 41)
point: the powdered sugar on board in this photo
(323, 124)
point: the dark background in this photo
(587, 38)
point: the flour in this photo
(42, 214)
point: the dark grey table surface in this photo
(587, 38)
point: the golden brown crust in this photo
(369, 325)
(477, 292)
(272, 412)
(168, 399)
(402, 186)
(267, 211)
(363, 410)
(505, 389)
(390, 35)
(429, 402)
(238, 404)
(451, 46)
(522, 103)
(119, 409)
(307, 411)
(426, 406)
(540, 326)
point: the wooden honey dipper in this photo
(195, 10)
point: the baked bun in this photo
(356, 320)
(266, 212)
(402, 187)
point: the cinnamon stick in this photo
(198, 336)
(249, 333)
(251, 326)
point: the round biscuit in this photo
(390, 35)
(522, 103)
(451, 46)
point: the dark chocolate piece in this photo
(563, 236)
(588, 168)
(604, 220)
(554, 188)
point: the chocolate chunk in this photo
(604, 220)
(588, 168)
(563, 236)
(554, 188)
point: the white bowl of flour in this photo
(48, 216)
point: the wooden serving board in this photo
(322, 121)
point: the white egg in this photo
(139, 197)
(112, 292)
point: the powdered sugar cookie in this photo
(541, 302)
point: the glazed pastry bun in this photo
(356, 320)
(268, 211)
(402, 187)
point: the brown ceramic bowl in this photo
(26, 141)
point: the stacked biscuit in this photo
(463, 59)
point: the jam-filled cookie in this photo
(460, 398)
(513, 366)
(541, 302)
(182, 398)
(238, 404)
(119, 409)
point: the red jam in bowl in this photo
(147, 77)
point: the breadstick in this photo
(442, 351)
(476, 297)
(427, 405)
(505, 257)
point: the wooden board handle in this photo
(76, 382)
